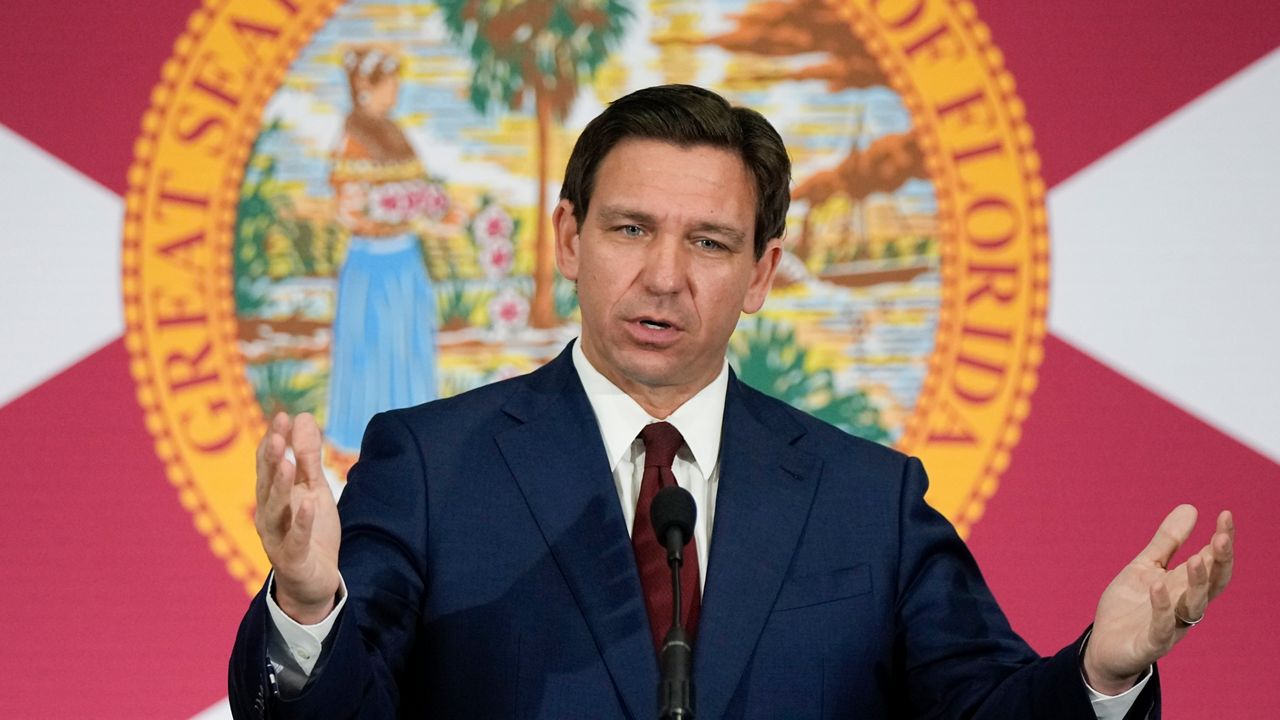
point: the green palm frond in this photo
(766, 355)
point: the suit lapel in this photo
(766, 487)
(558, 460)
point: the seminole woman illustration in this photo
(384, 344)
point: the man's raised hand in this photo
(297, 519)
(1148, 608)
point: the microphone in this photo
(673, 513)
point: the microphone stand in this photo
(675, 690)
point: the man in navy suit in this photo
(487, 565)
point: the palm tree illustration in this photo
(544, 50)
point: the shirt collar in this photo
(621, 418)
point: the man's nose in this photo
(665, 265)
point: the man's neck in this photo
(699, 419)
(661, 401)
(657, 400)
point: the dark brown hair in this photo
(685, 115)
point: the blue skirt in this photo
(384, 336)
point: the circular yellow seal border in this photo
(205, 114)
(179, 213)
(978, 150)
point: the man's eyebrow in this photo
(731, 234)
(612, 214)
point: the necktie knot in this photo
(661, 441)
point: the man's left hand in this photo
(1148, 608)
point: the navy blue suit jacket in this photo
(491, 576)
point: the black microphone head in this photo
(673, 507)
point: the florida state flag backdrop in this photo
(1032, 243)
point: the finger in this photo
(270, 452)
(1227, 523)
(279, 428)
(1192, 604)
(1174, 531)
(262, 470)
(276, 511)
(1163, 623)
(281, 423)
(306, 451)
(1222, 548)
(1222, 542)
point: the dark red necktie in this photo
(661, 441)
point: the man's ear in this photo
(566, 230)
(762, 276)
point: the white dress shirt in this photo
(697, 463)
(696, 468)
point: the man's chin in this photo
(665, 372)
(636, 368)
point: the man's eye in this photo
(709, 244)
(631, 230)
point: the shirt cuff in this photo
(304, 641)
(1111, 707)
(1115, 707)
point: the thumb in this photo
(1174, 531)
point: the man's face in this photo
(665, 264)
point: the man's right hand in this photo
(297, 519)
